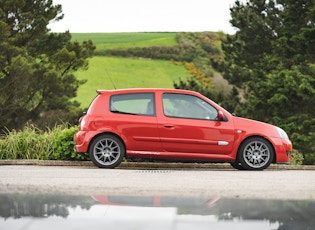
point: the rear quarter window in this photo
(133, 103)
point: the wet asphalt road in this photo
(228, 183)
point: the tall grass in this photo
(33, 143)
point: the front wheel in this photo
(107, 151)
(255, 153)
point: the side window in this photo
(188, 106)
(133, 103)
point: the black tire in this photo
(255, 153)
(107, 151)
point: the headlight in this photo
(282, 133)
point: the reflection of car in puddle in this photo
(155, 201)
(221, 213)
(19, 211)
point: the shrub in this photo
(297, 158)
(309, 159)
(64, 146)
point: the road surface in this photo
(268, 184)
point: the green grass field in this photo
(104, 41)
(126, 73)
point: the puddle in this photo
(37, 212)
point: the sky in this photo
(89, 16)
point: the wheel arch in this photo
(107, 133)
(258, 136)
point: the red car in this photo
(175, 124)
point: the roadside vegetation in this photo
(265, 71)
(33, 143)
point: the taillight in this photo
(82, 123)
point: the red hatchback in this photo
(175, 124)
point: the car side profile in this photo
(174, 124)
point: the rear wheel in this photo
(255, 153)
(107, 151)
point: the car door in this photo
(135, 121)
(189, 125)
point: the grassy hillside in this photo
(126, 40)
(126, 73)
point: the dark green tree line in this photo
(36, 66)
(271, 58)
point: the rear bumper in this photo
(81, 144)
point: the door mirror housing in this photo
(221, 116)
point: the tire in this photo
(107, 151)
(255, 153)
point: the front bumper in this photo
(283, 150)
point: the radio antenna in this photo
(110, 78)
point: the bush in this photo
(309, 159)
(297, 158)
(64, 146)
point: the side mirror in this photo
(220, 115)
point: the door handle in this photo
(169, 126)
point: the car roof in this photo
(152, 90)
(141, 90)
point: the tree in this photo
(36, 66)
(271, 57)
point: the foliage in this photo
(297, 158)
(177, 52)
(63, 145)
(271, 59)
(33, 143)
(198, 74)
(207, 47)
(195, 85)
(309, 158)
(36, 67)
